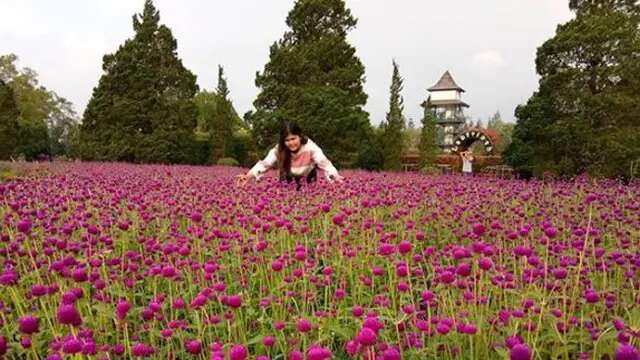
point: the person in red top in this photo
(296, 157)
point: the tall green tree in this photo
(393, 140)
(314, 78)
(225, 120)
(584, 116)
(9, 126)
(42, 114)
(142, 109)
(428, 145)
(220, 123)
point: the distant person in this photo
(467, 163)
(296, 157)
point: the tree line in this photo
(147, 106)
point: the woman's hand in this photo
(336, 178)
(242, 179)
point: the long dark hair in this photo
(283, 152)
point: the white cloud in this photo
(492, 58)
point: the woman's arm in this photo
(330, 172)
(264, 165)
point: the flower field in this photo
(108, 261)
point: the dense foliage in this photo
(584, 116)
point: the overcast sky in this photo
(489, 46)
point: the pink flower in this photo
(478, 229)
(367, 337)
(485, 263)
(234, 301)
(238, 352)
(404, 247)
(318, 353)
(196, 216)
(304, 325)
(276, 265)
(391, 354)
(268, 341)
(194, 346)
(295, 355)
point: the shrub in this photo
(228, 162)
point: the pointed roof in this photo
(446, 82)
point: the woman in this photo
(296, 157)
(467, 160)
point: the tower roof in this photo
(436, 103)
(446, 82)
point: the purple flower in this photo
(142, 350)
(373, 323)
(318, 353)
(238, 352)
(391, 354)
(295, 355)
(28, 324)
(551, 232)
(478, 229)
(122, 308)
(591, 296)
(447, 277)
(367, 337)
(268, 341)
(69, 315)
(404, 247)
(627, 352)
(463, 269)
(234, 301)
(194, 346)
(24, 226)
(387, 249)
(520, 352)
(276, 265)
(72, 346)
(442, 328)
(196, 216)
(38, 290)
(485, 263)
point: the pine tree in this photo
(142, 109)
(314, 78)
(9, 126)
(224, 121)
(428, 136)
(394, 125)
(222, 89)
